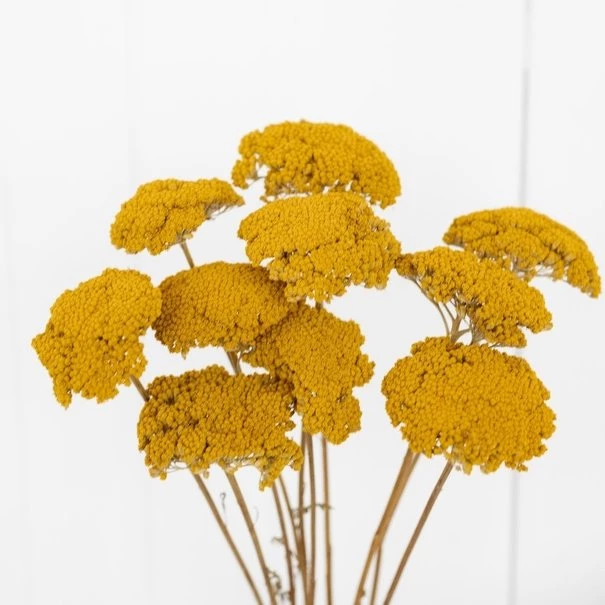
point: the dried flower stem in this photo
(250, 525)
(286, 543)
(327, 532)
(376, 576)
(313, 505)
(187, 253)
(407, 466)
(217, 516)
(227, 535)
(295, 529)
(140, 388)
(425, 513)
(301, 518)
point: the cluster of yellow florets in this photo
(305, 157)
(206, 417)
(320, 355)
(475, 405)
(496, 301)
(164, 213)
(91, 342)
(219, 304)
(528, 243)
(320, 244)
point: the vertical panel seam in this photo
(523, 175)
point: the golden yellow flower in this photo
(528, 243)
(494, 300)
(219, 304)
(320, 244)
(210, 417)
(320, 355)
(164, 213)
(305, 157)
(475, 405)
(91, 342)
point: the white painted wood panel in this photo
(561, 529)
(112, 95)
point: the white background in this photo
(98, 97)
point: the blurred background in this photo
(479, 103)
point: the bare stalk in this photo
(301, 517)
(327, 532)
(252, 531)
(425, 513)
(140, 388)
(299, 546)
(227, 536)
(407, 466)
(312, 490)
(187, 253)
(286, 543)
(376, 576)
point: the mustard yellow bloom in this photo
(320, 355)
(528, 243)
(91, 342)
(166, 212)
(320, 244)
(210, 417)
(305, 157)
(219, 304)
(496, 301)
(475, 405)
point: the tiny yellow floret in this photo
(320, 244)
(528, 243)
(211, 417)
(91, 342)
(473, 404)
(320, 355)
(219, 304)
(167, 212)
(305, 157)
(496, 301)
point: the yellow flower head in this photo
(320, 355)
(219, 304)
(164, 213)
(493, 299)
(206, 417)
(320, 244)
(475, 405)
(91, 342)
(303, 157)
(528, 243)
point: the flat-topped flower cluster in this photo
(317, 235)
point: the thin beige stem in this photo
(227, 536)
(286, 543)
(407, 466)
(234, 361)
(187, 253)
(140, 388)
(295, 529)
(376, 577)
(312, 581)
(301, 518)
(425, 513)
(327, 531)
(252, 531)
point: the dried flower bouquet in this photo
(457, 395)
